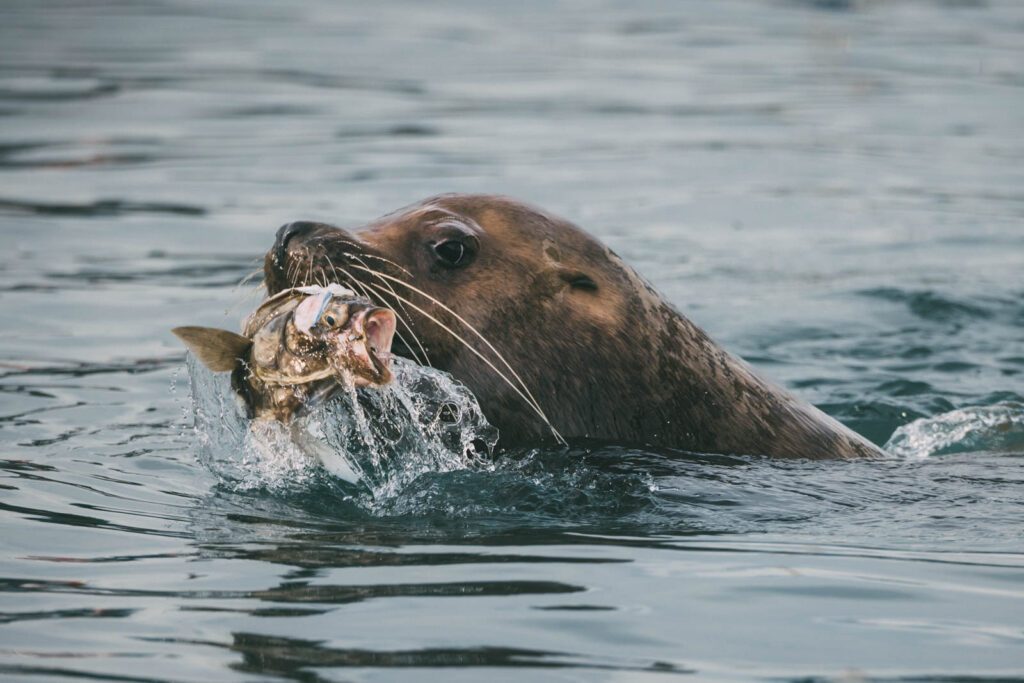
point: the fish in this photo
(298, 349)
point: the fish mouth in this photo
(307, 253)
(375, 330)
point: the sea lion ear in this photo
(577, 279)
(218, 350)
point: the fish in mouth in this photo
(301, 347)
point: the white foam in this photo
(998, 427)
(378, 439)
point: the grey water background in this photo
(832, 189)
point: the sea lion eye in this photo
(452, 253)
(450, 244)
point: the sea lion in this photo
(298, 349)
(556, 336)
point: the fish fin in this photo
(218, 350)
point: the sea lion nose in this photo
(286, 233)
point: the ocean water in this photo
(832, 188)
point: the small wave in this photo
(55, 89)
(98, 208)
(932, 306)
(998, 427)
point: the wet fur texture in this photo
(617, 363)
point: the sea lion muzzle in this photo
(286, 232)
(290, 250)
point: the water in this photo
(377, 441)
(832, 189)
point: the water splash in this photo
(371, 442)
(998, 427)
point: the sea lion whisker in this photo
(373, 256)
(250, 293)
(322, 276)
(390, 262)
(370, 295)
(356, 283)
(291, 272)
(527, 399)
(484, 339)
(531, 403)
(314, 274)
(471, 328)
(309, 266)
(398, 333)
(324, 241)
(400, 305)
(257, 265)
(249, 276)
(296, 266)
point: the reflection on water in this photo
(831, 188)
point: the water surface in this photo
(831, 189)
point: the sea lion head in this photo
(531, 312)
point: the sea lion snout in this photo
(290, 238)
(285, 234)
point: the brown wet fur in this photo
(618, 364)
